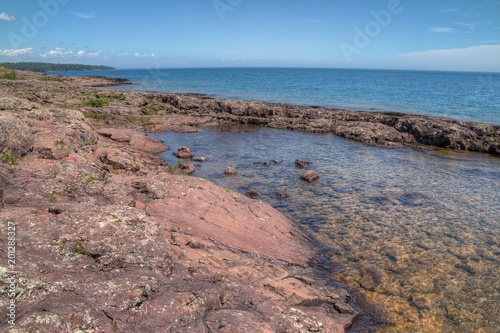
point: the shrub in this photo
(89, 179)
(97, 102)
(78, 248)
(94, 115)
(9, 76)
(9, 159)
(51, 78)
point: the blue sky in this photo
(398, 34)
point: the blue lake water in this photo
(459, 95)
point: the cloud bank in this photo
(482, 58)
(16, 53)
(6, 17)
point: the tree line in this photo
(49, 67)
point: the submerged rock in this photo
(309, 176)
(252, 193)
(301, 163)
(230, 171)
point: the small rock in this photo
(310, 176)
(199, 159)
(187, 168)
(230, 171)
(301, 163)
(252, 193)
(283, 195)
(55, 211)
(183, 152)
(276, 161)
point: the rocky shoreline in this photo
(109, 238)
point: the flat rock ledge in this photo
(107, 240)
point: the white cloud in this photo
(6, 17)
(16, 53)
(57, 52)
(94, 54)
(87, 16)
(473, 58)
(80, 54)
(441, 29)
(137, 55)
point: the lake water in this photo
(416, 231)
(463, 96)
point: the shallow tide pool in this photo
(416, 231)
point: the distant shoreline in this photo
(42, 67)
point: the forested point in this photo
(48, 67)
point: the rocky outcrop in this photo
(378, 128)
(109, 241)
(16, 136)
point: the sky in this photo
(457, 35)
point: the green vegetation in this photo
(112, 96)
(60, 245)
(47, 67)
(52, 198)
(97, 102)
(175, 169)
(51, 78)
(152, 109)
(94, 115)
(9, 159)
(89, 179)
(9, 76)
(78, 248)
(223, 298)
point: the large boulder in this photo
(16, 137)
(14, 103)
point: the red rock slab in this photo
(146, 144)
(201, 208)
(119, 135)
